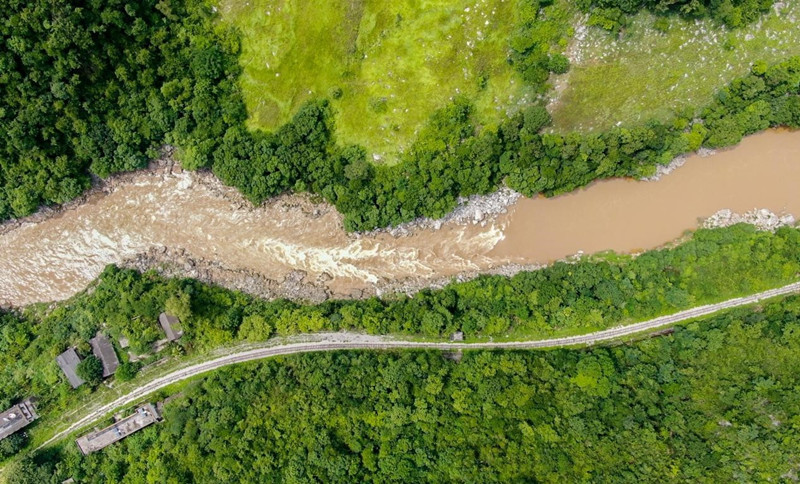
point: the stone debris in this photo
(662, 170)
(762, 219)
(178, 263)
(678, 162)
(477, 209)
(411, 286)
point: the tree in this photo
(126, 371)
(91, 370)
(12, 444)
(180, 306)
(29, 471)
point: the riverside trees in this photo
(453, 158)
(97, 87)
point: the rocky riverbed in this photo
(762, 219)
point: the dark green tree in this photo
(91, 370)
(126, 371)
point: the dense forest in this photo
(566, 298)
(97, 88)
(716, 401)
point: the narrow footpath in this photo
(358, 341)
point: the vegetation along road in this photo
(356, 341)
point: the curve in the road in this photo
(355, 341)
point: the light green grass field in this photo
(394, 62)
(648, 74)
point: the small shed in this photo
(104, 350)
(171, 326)
(68, 361)
(457, 336)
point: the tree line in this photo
(614, 14)
(716, 401)
(452, 158)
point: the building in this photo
(457, 336)
(102, 348)
(16, 418)
(68, 361)
(99, 439)
(171, 326)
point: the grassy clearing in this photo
(650, 74)
(391, 64)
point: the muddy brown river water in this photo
(52, 258)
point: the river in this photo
(52, 257)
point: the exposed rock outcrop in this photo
(763, 219)
(477, 209)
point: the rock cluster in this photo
(763, 219)
(411, 286)
(662, 170)
(678, 162)
(477, 209)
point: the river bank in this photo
(188, 224)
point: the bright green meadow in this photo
(386, 66)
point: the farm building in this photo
(99, 439)
(17, 418)
(68, 361)
(171, 326)
(102, 348)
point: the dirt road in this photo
(356, 341)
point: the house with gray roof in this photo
(171, 326)
(104, 350)
(68, 361)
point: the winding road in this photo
(356, 341)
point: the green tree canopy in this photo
(91, 370)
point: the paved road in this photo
(355, 341)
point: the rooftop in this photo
(99, 439)
(16, 418)
(68, 361)
(170, 324)
(102, 348)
